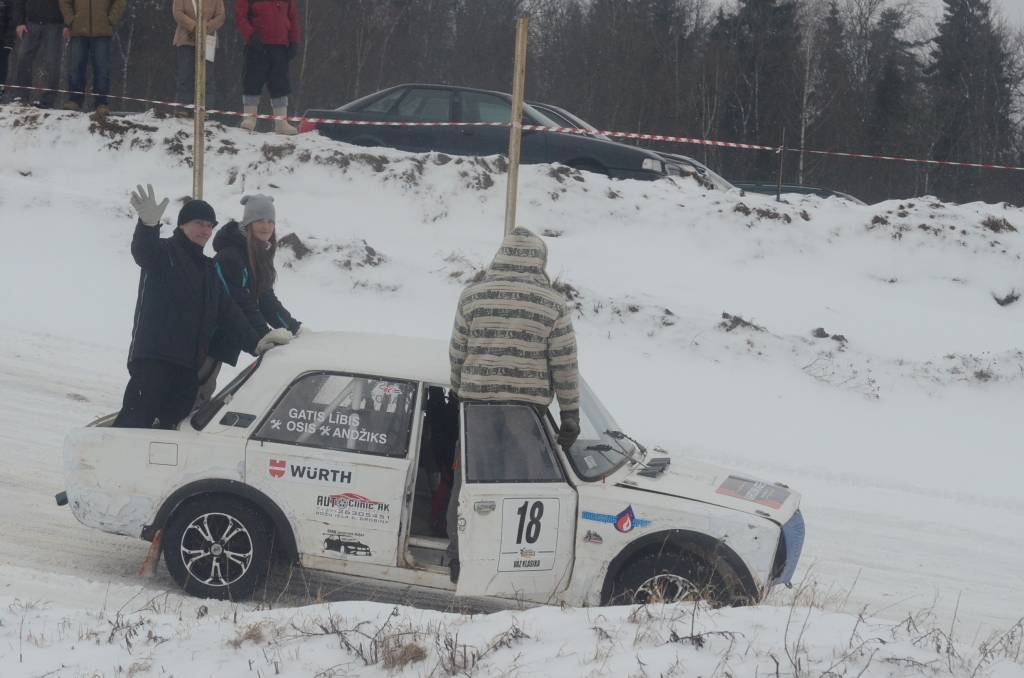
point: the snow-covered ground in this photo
(900, 426)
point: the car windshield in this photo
(597, 453)
(567, 119)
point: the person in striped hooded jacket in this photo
(513, 342)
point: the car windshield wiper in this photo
(653, 468)
(619, 437)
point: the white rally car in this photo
(319, 452)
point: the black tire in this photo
(589, 166)
(668, 577)
(206, 564)
(369, 142)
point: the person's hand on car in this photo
(273, 338)
(570, 428)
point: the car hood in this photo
(710, 484)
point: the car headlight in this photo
(654, 165)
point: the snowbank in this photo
(868, 356)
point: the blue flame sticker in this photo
(623, 521)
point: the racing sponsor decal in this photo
(344, 544)
(343, 413)
(529, 535)
(335, 425)
(282, 468)
(352, 506)
(624, 521)
(772, 496)
(592, 537)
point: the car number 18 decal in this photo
(529, 534)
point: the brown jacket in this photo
(92, 18)
(185, 18)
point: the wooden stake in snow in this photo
(515, 136)
(199, 142)
(152, 555)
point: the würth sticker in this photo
(282, 468)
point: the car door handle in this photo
(484, 506)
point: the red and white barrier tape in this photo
(636, 136)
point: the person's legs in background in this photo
(185, 75)
(100, 55)
(76, 73)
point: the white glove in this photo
(302, 331)
(273, 338)
(144, 202)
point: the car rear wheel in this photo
(667, 577)
(369, 142)
(589, 166)
(217, 547)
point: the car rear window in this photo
(383, 104)
(347, 413)
(205, 414)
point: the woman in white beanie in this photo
(245, 267)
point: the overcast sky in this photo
(1013, 10)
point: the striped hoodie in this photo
(513, 338)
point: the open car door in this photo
(517, 512)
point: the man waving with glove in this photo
(179, 307)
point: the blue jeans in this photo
(84, 51)
(185, 79)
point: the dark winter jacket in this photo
(181, 303)
(236, 277)
(37, 12)
(275, 22)
(92, 18)
(6, 29)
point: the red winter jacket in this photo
(276, 22)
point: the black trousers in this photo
(158, 395)
(4, 54)
(266, 65)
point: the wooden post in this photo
(199, 142)
(515, 136)
(782, 159)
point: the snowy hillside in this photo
(863, 355)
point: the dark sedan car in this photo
(769, 188)
(442, 103)
(675, 165)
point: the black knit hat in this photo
(197, 209)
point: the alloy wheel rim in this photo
(216, 549)
(665, 588)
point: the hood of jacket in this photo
(230, 236)
(523, 257)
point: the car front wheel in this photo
(217, 547)
(667, 577)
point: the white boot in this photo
(249, 121)
(282, 126)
